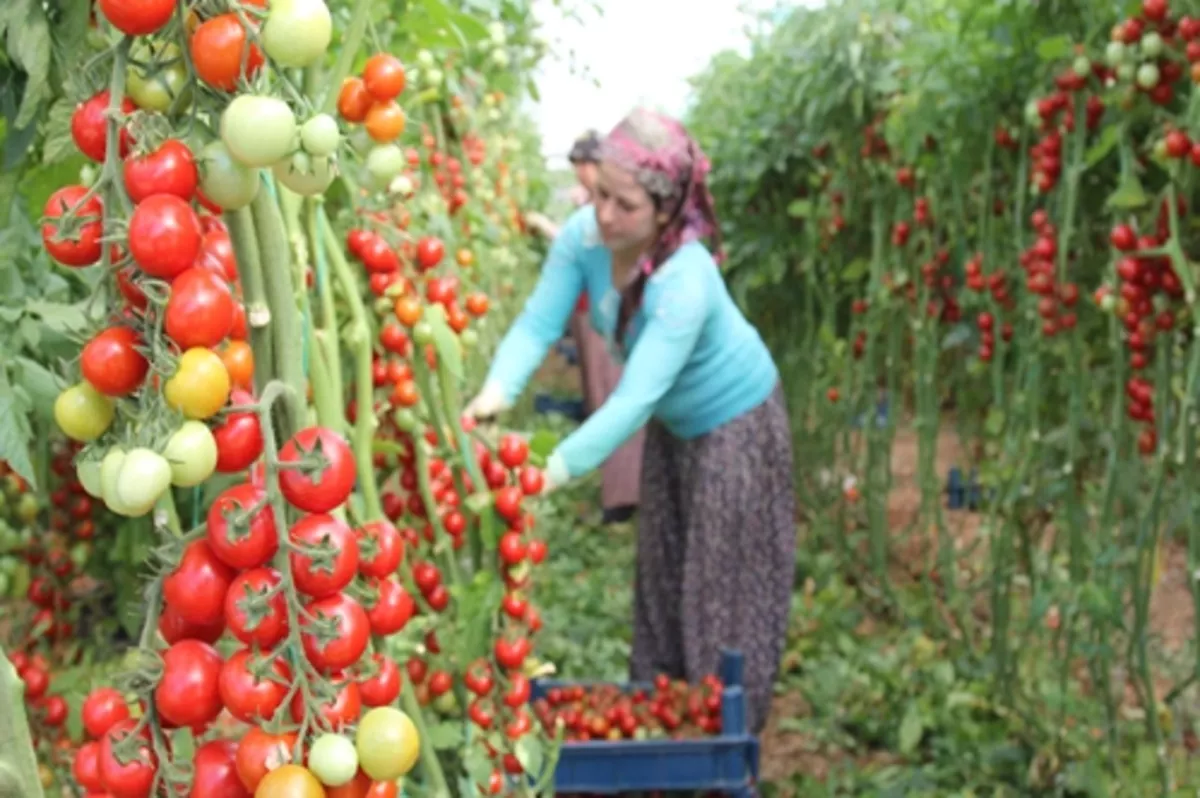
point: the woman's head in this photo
(583, 156)
(651, 195)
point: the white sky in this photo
(641, 51)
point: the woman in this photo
(716, 531)
(600, 374)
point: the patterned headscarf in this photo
(669, 164)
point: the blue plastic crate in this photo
(571, 408)
(963, 494)
(726, 763)
(882, 411)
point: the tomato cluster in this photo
(671, 709)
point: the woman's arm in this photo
(542, 223)
(544, 318)
(676, 312)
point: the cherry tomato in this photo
(384, 77)
(111, 362)
(381, 549)
(241, 527)
(127, 777)
(326, 487)
(429, 252)
(215, 771)
(388, 743)
(174, 627)
(217, 47)
(338, 712)
(350, 640)
(89, 126)
(267, 628)
(247, 697)
(200, 309)
(393, 608)
(216, 255)
(164, 236)
(259, 752)
(188, 693)
(171, 169)
(354, 100)
(200, 386)
(83, 413)
(86, 767)
(239, 437)
(385, 122)
(137, 17)
(290, 781)
(83, 247)
(197, 587)
(335, 558)
(383, 687)
(238, 358)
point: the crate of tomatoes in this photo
(668, 735)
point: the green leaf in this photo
(15, 431)
(799, 208)
(855, 270)
(40, 384)
(1054, 48)
(531, 754)
(1103, 146)
(58, 145)
(543, 443)
(912, 728)
(1129, 194)
(472, 600)
(59, 317)
(994, 424)
(28, 44)
(445, 736)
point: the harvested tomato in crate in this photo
(661, 736)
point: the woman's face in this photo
(585, 173)
(625, 211)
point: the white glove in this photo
(555, 475)
(489, 402)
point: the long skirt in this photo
(716, 552)
(621, 472)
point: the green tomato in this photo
(1115, 54)
(422, 333)
(1148, 76)
(144, 477)
(383, 164)
(469, 338)
(388, 743)
(333, 760)
(1082, 66)
(192, 454)
(259, 131)
(1126, 73)
(110, 470)
(434, 77)
(88, 473)
(320, 135)
(1152, 45)
(225, 181)
(163, 78)
(83, 413)
(405, 418)
(28, 508)
(425, 59)
(306, 176)
(297, 32)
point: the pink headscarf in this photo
(670, 165)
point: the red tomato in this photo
(135, 777)
(104, 708)
(217, 46)
(259, 752)
(349, 640)
(513, 450)
(384, 77)
(89, 126)
(239, 436)
(129, 289)
(383, 687)
(429, 252)
(200, 309)
(338, 712)
(216, 255)
(215, 771)
(188, 693)
(327, 485)
(83, 247)
(392, 609)
(378, 256)
(238, 539)
(247, 697)
(171, 169)
(197, 588)
(112, 363)
(164, 236)
(174, 627)
(334, 561)
(271, 626)
(137, 17)
(86, 767)
(381, 549)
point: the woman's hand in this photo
(542, 224)
(489, 403)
